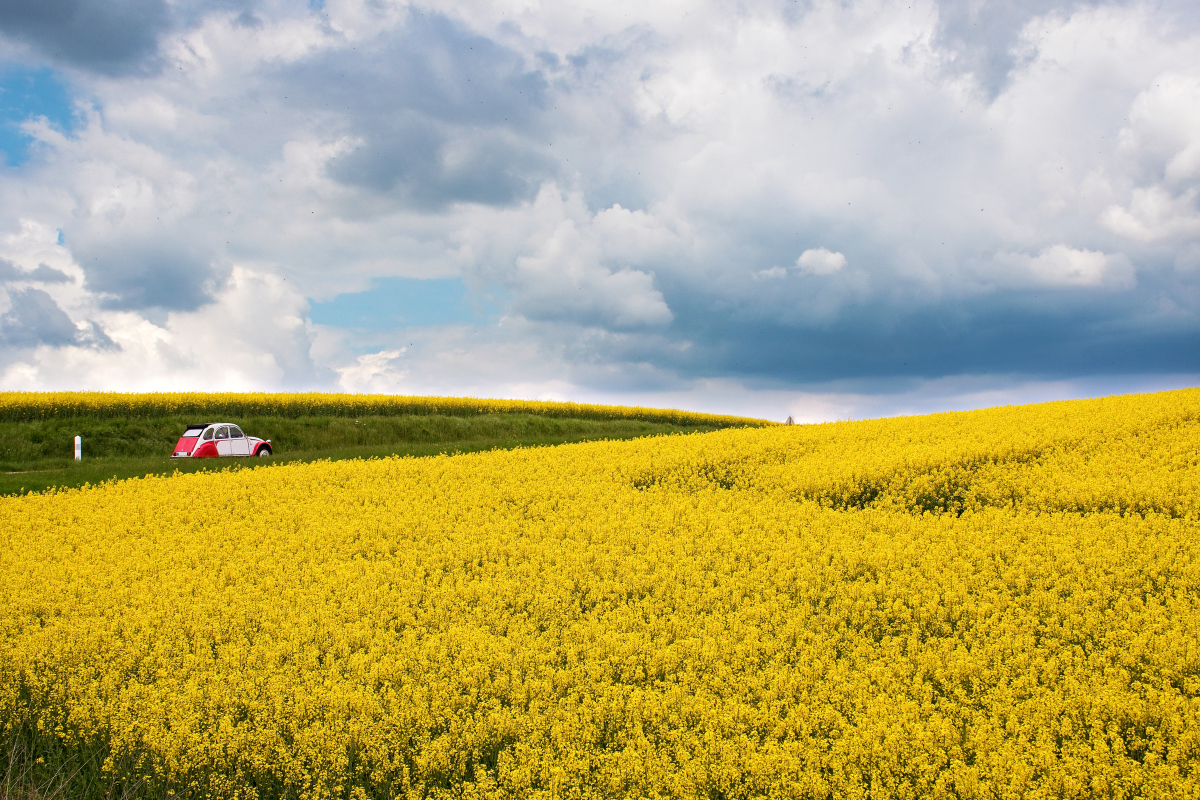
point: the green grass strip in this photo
(39, 455)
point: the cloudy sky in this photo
(824, 209)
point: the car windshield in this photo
(235, 432)
(192, 433)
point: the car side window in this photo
(223, 433)
(235, 432)
(208, 434)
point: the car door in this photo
(207, 448)
(224, 447)
(237, 441)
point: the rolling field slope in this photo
(132, 435)
(1001, 603)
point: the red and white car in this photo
(213, 439)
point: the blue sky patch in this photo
(398, 303)
(27, 93)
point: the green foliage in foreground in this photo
(35, 456)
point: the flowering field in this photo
(994, 604)
(29, 406)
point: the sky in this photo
(827, 210)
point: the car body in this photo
(215, 439)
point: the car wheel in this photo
(264, 451)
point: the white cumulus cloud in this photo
(819, 261)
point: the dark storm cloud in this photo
(146, 274)
(113, 37)
(428, 165)
(443, 115)
(110, 36)
(47, 274)
(34, 319)
(43, 274)
(1056, 333)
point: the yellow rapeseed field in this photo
(28, 406)
(994, 604)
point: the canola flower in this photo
(994, 604)
(29, 406)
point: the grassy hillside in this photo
(36, 455)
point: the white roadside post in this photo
(78, 448)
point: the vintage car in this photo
(212, 439)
